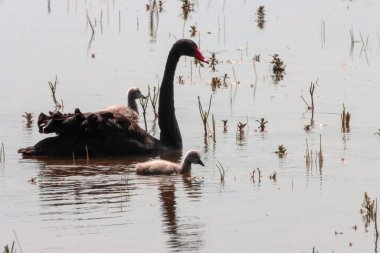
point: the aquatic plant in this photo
(260, 176)
(252, 174)
(193, 30)
(10, 250)
(320, 154)
(161, 6)
(256, 58)
(262, 125)
(180, 80)
(260, 13)
(33, 180)
(213, 61)
(53, 88)
(240, 133)
(222, 172)
(187, 7)
(278, 68)
(345, 120)
(2, 154)
(368, 210)
(144, 104)
(311, 91)
(307, 105)
(204, 115)
(225, 77)
(273, 177)
(225, 127)
(215, 83)
(281, 151)
(29, 119)
(308, 156)
(307, 128)
(154, 98)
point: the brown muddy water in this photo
(56, 206)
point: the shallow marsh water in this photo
(104, 206)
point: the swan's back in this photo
(157, 167)
(123, 111)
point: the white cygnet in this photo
(162, 167)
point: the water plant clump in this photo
(193, 31)
(260, 13)
(180, 80)
(262, 125)
(240, 135)
(216, 83)
(187, 7)
(213, 61)
(278, 68)
(12, 249)
(253, 173)
(345, 120)
(225, 126)
(29, 119)
(368, 210)
(273, 177)
(281, 151)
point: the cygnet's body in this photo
(162, 167)
(130, 111)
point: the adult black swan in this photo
(108, 133)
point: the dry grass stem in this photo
(53, 88)
(144, 104)
(154, 98)
(204, 115)
(222, 172)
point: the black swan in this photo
(131, 111)
(107, 133)
(163, 167)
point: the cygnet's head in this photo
(194, 157)
(135, 93)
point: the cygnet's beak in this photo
(142, 96)
(199, 56)
(200, 162)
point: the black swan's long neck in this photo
(132, 102)
(170, 136)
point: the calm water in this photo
(103, 206)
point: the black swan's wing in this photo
(100, 133)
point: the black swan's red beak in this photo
(199, 56)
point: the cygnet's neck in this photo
(132, 102)
(186, 166)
